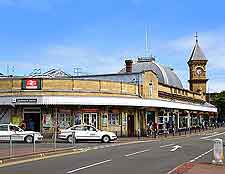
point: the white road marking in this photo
(190, 161)
(175, 148)
(92, 165)
(166, 145)
(135, 153)
(203, 138)
(201, 156)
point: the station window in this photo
(150, 88)
(113, 118)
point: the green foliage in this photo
(220, 102)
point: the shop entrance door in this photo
(32, 117)
(90, 119)
(130, 125)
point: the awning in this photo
(105, 101)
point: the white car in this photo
(13, 132)
(86, 132)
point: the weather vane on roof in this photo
(196, 36)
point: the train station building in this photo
(123, 102)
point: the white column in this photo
(178, 120)
(189, 119)
(156, 116)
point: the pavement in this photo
(162, 156)
(199, 168)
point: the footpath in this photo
(200, 168)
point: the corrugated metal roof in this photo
(134, 78)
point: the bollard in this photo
(34, 146)
(179, 132)
(154, 134)
(185, 131)
(74, 138)
(10, 146)
(218, 152)
(139, 134)
(190, 130)
(195, 129)
(55, 137)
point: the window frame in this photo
(4, 126)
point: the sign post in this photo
(218, 151)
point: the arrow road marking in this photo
(175, 148)
(85, 167)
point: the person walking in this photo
(23, 125)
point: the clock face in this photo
(199, 71)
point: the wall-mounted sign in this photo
(31, 84)
(24, 100)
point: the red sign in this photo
(31, 84)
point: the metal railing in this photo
(15, 145)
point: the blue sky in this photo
(98, 35)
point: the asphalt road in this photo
(158, 157)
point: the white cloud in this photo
(67, 57)
(212, 44)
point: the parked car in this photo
(86, 132)
(14, 132)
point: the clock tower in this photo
(197, 68)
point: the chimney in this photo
(129, 66)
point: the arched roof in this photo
(165, 74)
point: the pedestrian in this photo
(31, 125)
(173, 128)
(155, 128)
(23, 125)
(167, 127)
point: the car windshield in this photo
(15, 128)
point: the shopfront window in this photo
(150, 116)
(104, 120)
(77, 118)
(64, 120)
(47, 121)
(113, 118)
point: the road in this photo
(158, 157)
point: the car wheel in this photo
(105, 139)
(29, 139)
(70, 139)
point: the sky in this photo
(98, 35)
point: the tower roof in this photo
(197, 53)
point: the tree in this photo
(220, 103)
